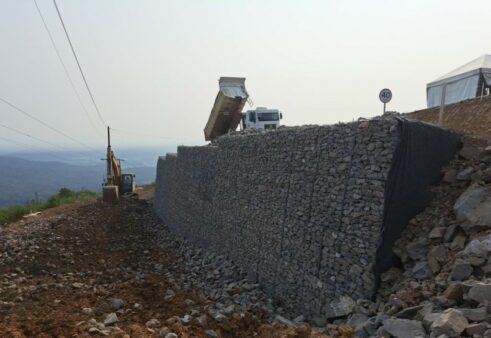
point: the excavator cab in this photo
(127, 183)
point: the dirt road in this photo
(97, 270)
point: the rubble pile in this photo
(442, 287)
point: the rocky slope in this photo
(442, 287)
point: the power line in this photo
(65, 69)
(37, 139)
(44, 123)
(78, 64)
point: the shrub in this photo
(64, 196)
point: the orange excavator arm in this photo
(110, 190)
(113, 176)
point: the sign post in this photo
(442, 106)
(385, 96)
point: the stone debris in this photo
(87, 310)
(341, 308)
(404, 328)
(116, 303)
(111, 319)
(169, 295)
(461, 270)
(473, 208)
(117, 271)
(450, 323)
(480, 292)
(171, 335)
(152, 323)
(476, 329)
(445, 284)
(475, 315)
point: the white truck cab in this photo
(261, 118)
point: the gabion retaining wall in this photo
(300, 208)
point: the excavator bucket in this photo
(110, 193)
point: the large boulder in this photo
(418, 249)
(480, 292)
(461, 270)
(421, 270)
(479, 247)
(341, 308)
(454, 292)
(473, 208)
(404, 328)
(451, 322)
(471, 152)
(475, 315)
(476, 329)
(357, 321)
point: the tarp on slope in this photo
(422, 150)
(460, 84)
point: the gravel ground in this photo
(101, 270)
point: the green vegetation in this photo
(64, 196)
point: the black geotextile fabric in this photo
(422, 150)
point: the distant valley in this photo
(23, 180)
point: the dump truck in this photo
(226, 113)
(262, 118)
(116, 183)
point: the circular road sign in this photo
(385, 95)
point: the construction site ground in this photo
(60, 270)
(65, 270)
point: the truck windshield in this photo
(268, 116)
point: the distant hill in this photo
(22, 180)
(133, 157)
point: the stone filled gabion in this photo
(300, 208)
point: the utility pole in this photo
(109, 174)
(108, 137)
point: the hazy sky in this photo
(153, 66)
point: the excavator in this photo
(116, 183)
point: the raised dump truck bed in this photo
(227, 110)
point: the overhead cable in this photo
(79, 66)
(37, 138)
(65, 69)
(45, 124)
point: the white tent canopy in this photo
(460, 84)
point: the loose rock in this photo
(111, 319)
(451, 323)
(404, 328)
